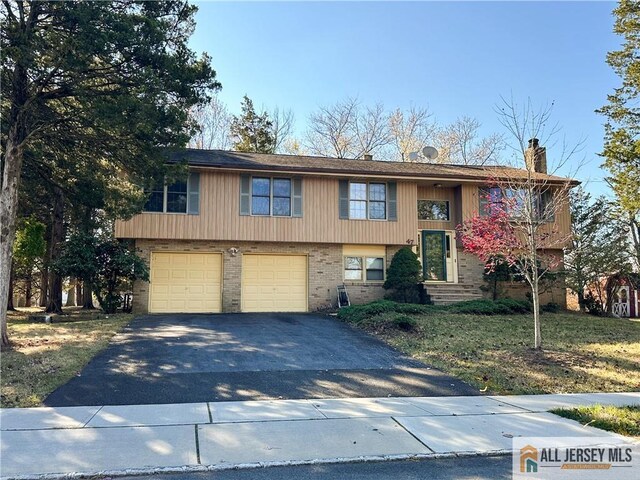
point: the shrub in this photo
(404, 322)
(593, 305)
(403, 274)
(500, 273)
(551, 307)
(361, 313)
(504, 306)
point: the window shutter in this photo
(343, 199)
(245, 195)
(296, 197)
(392, 201)
(193, 191)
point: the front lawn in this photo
(622, 420)
(45, 356)
(581, 353)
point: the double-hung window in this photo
(271, 196)
(178, 197)
(359, 200)
(490, 200)
(282, 197)
(367, 201)
(260, 196)
(363, 268)
(155, 202)
(515, 201)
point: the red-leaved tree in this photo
(512, 230)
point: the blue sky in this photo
(457, 58)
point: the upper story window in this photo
(179, 197)
(514, 202)
(271, 196)
(437, 210)
(490, 200)
(367, 200)
(267, 196)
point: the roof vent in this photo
(367, 156)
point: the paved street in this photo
(199, 358)
(469, 468)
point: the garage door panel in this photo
(185, 282)
(274, 283)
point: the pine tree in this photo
(96, 87)
(622, 127)
(252, 132)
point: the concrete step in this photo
(446, 294)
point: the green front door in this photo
(434, 252)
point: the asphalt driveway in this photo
(196, 358)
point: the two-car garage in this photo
(192, 282)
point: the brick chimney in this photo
(536, 157)
(367, 156)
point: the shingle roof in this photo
(297, 163)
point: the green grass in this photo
(45, 356)
(622, 420)
(581, 353)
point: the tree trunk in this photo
(87, 303)
(78, 292)
(27, 291)
(8, 210)
(581, 305)
(10, 305)
(535, 290)
(71, 294)
(57, 237)
(44, 286)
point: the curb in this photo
(250, 466)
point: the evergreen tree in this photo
(403, 275)
(598, 244)
(252, 132)
(96, 86)
(622, 112)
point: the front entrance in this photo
(438, 256)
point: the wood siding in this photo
(220, 217)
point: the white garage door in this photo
(274, 283)
(185, 282)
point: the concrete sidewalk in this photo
(118, 440)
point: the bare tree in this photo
(292, 146)
(371, 127)
(283, 123)
(519, 224)
(348, 130)
(460, 143)
(410, 131)
(214, 121)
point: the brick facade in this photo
(325, 272)
(471, 269)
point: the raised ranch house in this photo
(272, 233)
